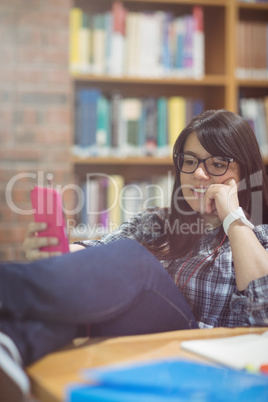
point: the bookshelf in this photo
(219, 86)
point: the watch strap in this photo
(234, 216)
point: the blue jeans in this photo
(119, 289)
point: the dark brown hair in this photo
(221, 133)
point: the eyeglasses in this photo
(214, 165)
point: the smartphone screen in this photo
(48, 207)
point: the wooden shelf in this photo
(208, 80)
(217, 3)
(258, 83)
(130, 160)
(252, 6)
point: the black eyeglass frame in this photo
(226, 158)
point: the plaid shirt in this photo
(210, 288)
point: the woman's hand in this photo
(33, 243)
(221, 199)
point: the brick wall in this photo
(35, 109)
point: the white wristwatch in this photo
(233, 216)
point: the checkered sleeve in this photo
(253, 301)
(144, 227)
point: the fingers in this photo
(38, 255)
(35, 227)
(230, 182)
(221, 198)
(33, 243)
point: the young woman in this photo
(200, 263)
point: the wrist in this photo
(233, 216)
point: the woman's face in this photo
(194, 185)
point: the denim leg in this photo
(87, 286)
(35, 339)
(120, 288)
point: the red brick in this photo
(29, 76)
(7, 253)
(50, 18)
(20, 154)
(35, 107)
(6, 135)
(9, 55)
(53, 136)
(8, 74)
(59, 77)
(6, 117)
(30, 56)
(12, 233)
(6, 215)
(59, 116)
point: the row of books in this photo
(108, 201)
(149, 44)
(255, 111)
(252, 49)
(129, 126)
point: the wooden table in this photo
(51, 375)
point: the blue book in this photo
(198, 107)
(86, 116)
(171, 380)
(103, 135)
(162, 126)
(166, 43)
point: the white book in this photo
(118, 49)
(198, 43)
(238, 352)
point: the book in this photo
(253, 110)
(86, 118)
(179, 28)
(131, 114)
(188, 45)
(118, 38)
(176, 118)
(85, 44)
(169, 380)
(99, 44)
(116, 126)
(198, 42)
(108, 56)
(154, 43)
(237, 352)
(162, 127)
(75, 23)
(103, 132)
(149, 106)
(114, 206)
(166, 43)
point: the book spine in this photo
(99, 45)
(75, 23)
(87, 118)
(198, 42)
(85, 44)
(118, 38)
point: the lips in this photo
(199, 190)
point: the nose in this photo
(201, 172)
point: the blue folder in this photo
(171, 380)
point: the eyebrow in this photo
(194, 154)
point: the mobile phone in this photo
(48, 207)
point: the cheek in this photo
(185, 186)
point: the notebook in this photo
(238, 352)
(170, 380)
